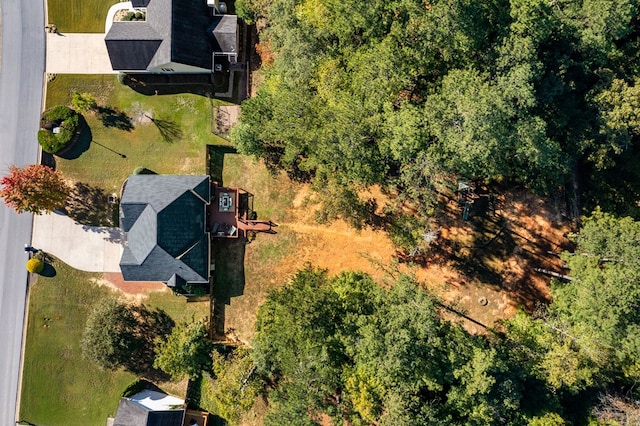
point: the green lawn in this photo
(59, 387)
(79, 16)
(113, 153)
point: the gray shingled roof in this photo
(178, 29)
(164, 217)
(190, 43)
(131, 413)
(224, 32)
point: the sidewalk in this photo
(88, 248)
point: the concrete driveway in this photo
(88, 248)
(77, 53)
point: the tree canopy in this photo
(119, 335)
(34, 189)
(399, 92)
(344, 348)
(186, 352)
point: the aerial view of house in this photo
(175, 36)
(164, 219)
(294, 212)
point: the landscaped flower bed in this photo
(58, 127)
(129, 15)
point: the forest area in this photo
(413, 96)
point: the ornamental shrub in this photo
(68, 122)
(35, 265)
(59, 113)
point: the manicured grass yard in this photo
(59, 387)
(185, 117)
(79, 16)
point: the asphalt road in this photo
(21, 77)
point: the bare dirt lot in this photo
(485, 265)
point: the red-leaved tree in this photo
(35, 189)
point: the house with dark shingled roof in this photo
(177, 36)
(164, 220)
(149, 408)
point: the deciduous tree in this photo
(84, 102)
(122, 335)
(34, 189)
(186, 352)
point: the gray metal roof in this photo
(167, 237)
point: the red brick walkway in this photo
(133, 287)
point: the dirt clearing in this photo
(483, 265)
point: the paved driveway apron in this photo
(77, 53)
(88, 248)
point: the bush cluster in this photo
(66, 119)
(134, 16)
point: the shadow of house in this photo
(164, 218)
(228, 279)
(170, 84)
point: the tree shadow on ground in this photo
(215, 160)
(615, 189)
(152, 325)
(170, 84)
(49, 270)
(229, 278)
(79, 144)
(501, 243)
(170, 131)
(111, 234)
(111, 117)
(89, 205)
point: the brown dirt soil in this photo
(484, 266)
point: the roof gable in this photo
(131, 55)
(224, 32)
(149, 408)
(129, 214)
(143, 232)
